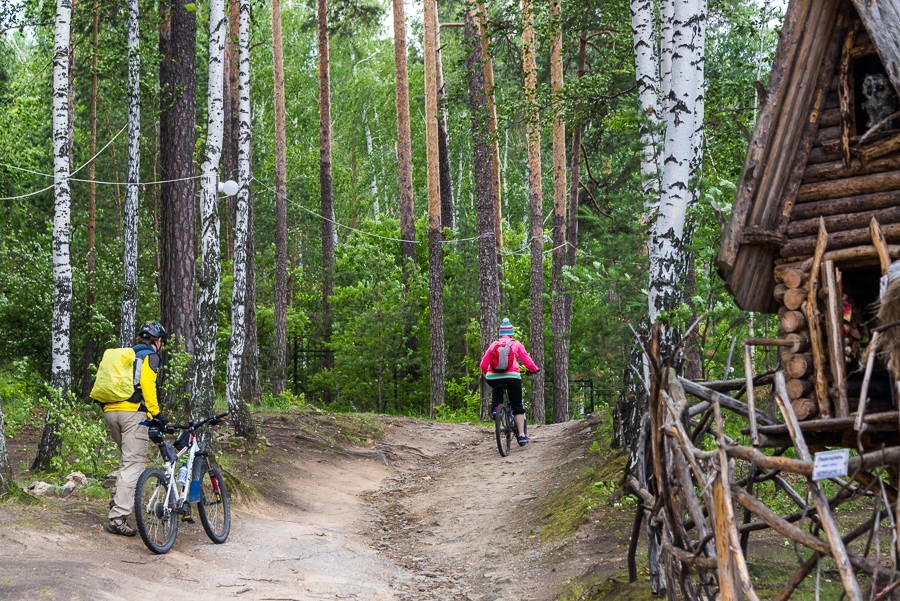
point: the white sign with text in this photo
(831, 464)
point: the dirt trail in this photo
(453, 521)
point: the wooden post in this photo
(812, 318)
(751, 402)
(859, 425)
(834, 330)
(851, 586)
(884, 254)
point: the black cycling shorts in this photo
(513, 388)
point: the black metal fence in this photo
(309, 360)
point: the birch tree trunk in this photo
(536, 203)
(374, 186)
(484, 198)
(329, 233)
(178, 227)
(210, 268)
(435, 252)
(7, 483)
(404, 146)
(668, 228)
(234, 395)
(647, 74)
(60, 367)
(132, 177)
(558, 301)
(279, 382)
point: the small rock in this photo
(492, 553)
(77, 479)
(536, 529)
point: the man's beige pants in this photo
(132, 440)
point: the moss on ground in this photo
(598, 475)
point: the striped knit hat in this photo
(506, 328)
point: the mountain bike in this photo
(162, 495)
(505, 426)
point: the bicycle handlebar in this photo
(212, 420)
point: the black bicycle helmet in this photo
(152, 329)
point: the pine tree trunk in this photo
(178, 227)
(234, 395)
(575, 182)
(404, 146)
(7, 483)
(558, 301)
(60, 367)
(250, 365)
(204, 398)
(435, 252)
(88, 357)
(329, 241)
(536, 203)
(482, 23)
(279, 368)
(484, 198)
(447, 221)
(230, 136)
(132, 177)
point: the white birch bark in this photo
(374, 185)
(666, 41)
(646, 62)
(233, 392)
(208, 280)
(60, 367)
(7, 482)
(667, 231)
(130, 217)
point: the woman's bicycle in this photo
(164, 495)
(505, 425)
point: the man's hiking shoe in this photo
(119, 526)
(523, 440)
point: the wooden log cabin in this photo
(815, 222)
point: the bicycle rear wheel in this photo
(215, 513)
(156, 522)
(503, 428)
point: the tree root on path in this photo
(389, 449)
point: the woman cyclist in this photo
(500, 366)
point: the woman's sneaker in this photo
(119, 526)
(523, 440)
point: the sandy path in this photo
(444, 524)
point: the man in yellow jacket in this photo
(123, 419)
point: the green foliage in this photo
(86, 445)
(177, 377)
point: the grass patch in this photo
(599, 474)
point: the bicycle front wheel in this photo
(503, 428)
(156, 520)
(215, 513)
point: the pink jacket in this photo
(516, 351)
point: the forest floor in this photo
(443, 517)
